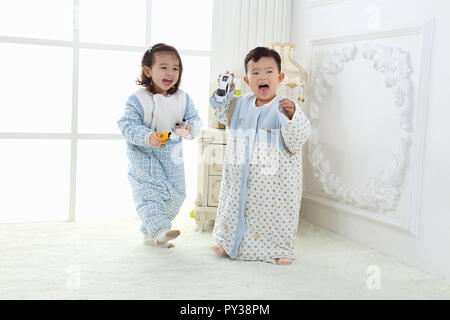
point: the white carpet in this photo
(106, 260)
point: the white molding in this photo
(426, 29)
(322, 3)
(421, 124)
(410, 30)
(350, 210)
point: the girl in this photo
(156, 171)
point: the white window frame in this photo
(74, 136)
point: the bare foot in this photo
(284, 261)
(170, 245)
(219, 251)
(173, 234)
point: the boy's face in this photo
(263, 78)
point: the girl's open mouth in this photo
(167, 82)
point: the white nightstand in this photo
(212, 146)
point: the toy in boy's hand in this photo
(225, 82)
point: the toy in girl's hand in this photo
(225, 81)
(164, 136)
(181, 124)
(182, 129)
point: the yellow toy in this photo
(164, 136)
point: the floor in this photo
(107, 260)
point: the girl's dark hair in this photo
(149, 59)
(258, 53)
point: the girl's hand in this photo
(288, 107)
(183, 131)
(232, 83)
(154, 140)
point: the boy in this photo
(261, 190)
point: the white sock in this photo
(164, 235)
(148, 241)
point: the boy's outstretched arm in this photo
(224, 110)
(221, 109)
(295, 126)
(131, 124)
(192, 117)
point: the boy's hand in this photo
(232, 83)
(288, 107)
(154, 140)
(183, 131)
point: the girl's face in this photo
(263, 78)
(164, 72)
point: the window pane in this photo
(103, 190)
(115, 22)
(190, 158)
(48, 19)
(34, 180)
(107, 78)
(195, 81)
(174, 23)
(36, 88)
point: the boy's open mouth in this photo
(263, 88)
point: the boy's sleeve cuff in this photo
(284, 119)
(227, 100)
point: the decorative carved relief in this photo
(382, 193)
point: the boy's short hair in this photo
(259, 52)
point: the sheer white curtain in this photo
(241, 25)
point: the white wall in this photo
(359, 129)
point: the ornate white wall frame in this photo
(382, 193)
